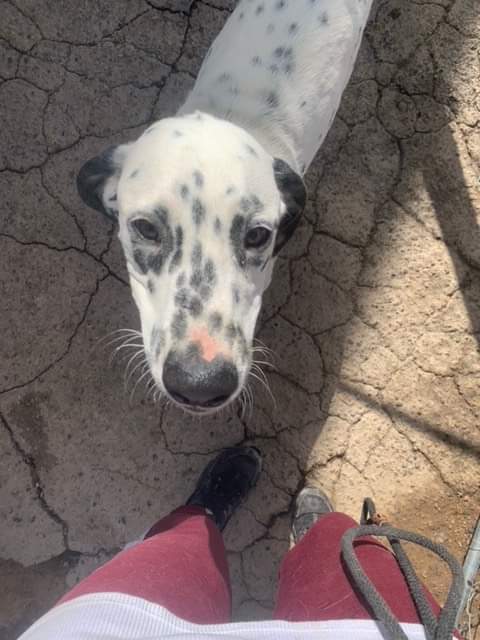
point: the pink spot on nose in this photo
(209, 347)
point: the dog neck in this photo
(277, 140)
(279, 73)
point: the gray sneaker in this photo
(311, 504)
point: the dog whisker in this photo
(250, 399)
(266, 363)
(116, 336)
(142, 364)
(128, 343)
(264, 382)
(133, 367)
(259, 369)
(261, 345)
(142, 377)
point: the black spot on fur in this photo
(198, 211)
(303, 104)
(151, 286)
(256, 61)
(177, 134)
(323, 18)
(237, 232)
(199, 179)
(155, 262)
(177, 256)
(215, 322)
(241, 15)
(205, 292)
(141, 258)
(196, 306)
(260, 9)
(281, 4)
(285, 56)
(217, 225)
(179, 324)
(224, 77)
(230, 191)
(186, 299)
(272, 100)
(182, 297)
(162, 215)
(231, 332)
(245, 205)
(251, 150)
(236, 295)
(197, 255)
(192, 352)
(196, 279)
(134, 174)
(210, 272)
(256, 204)
(184, 191)
(251, 205)
(113, 198)
(293, 28)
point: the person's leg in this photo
(181, 567)
(181, 564)
(314, 583)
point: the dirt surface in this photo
(373, 314)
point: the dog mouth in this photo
(201, 408)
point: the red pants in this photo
(182, 566)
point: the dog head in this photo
(202, 211)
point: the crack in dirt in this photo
(37, 485)
(66, 351)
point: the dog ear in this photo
(294, 195)
(97, 180)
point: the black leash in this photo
(372, 524)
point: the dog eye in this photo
(146, 229)
(257, 237)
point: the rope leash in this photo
(373, 524)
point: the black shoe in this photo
(226, 482)
(310, 505)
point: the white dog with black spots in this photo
(206, 199)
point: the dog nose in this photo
(193, 381)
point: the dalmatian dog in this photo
(206, 199)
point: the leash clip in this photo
(370, 516)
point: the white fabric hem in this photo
(116, 616)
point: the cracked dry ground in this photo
(373, 313)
